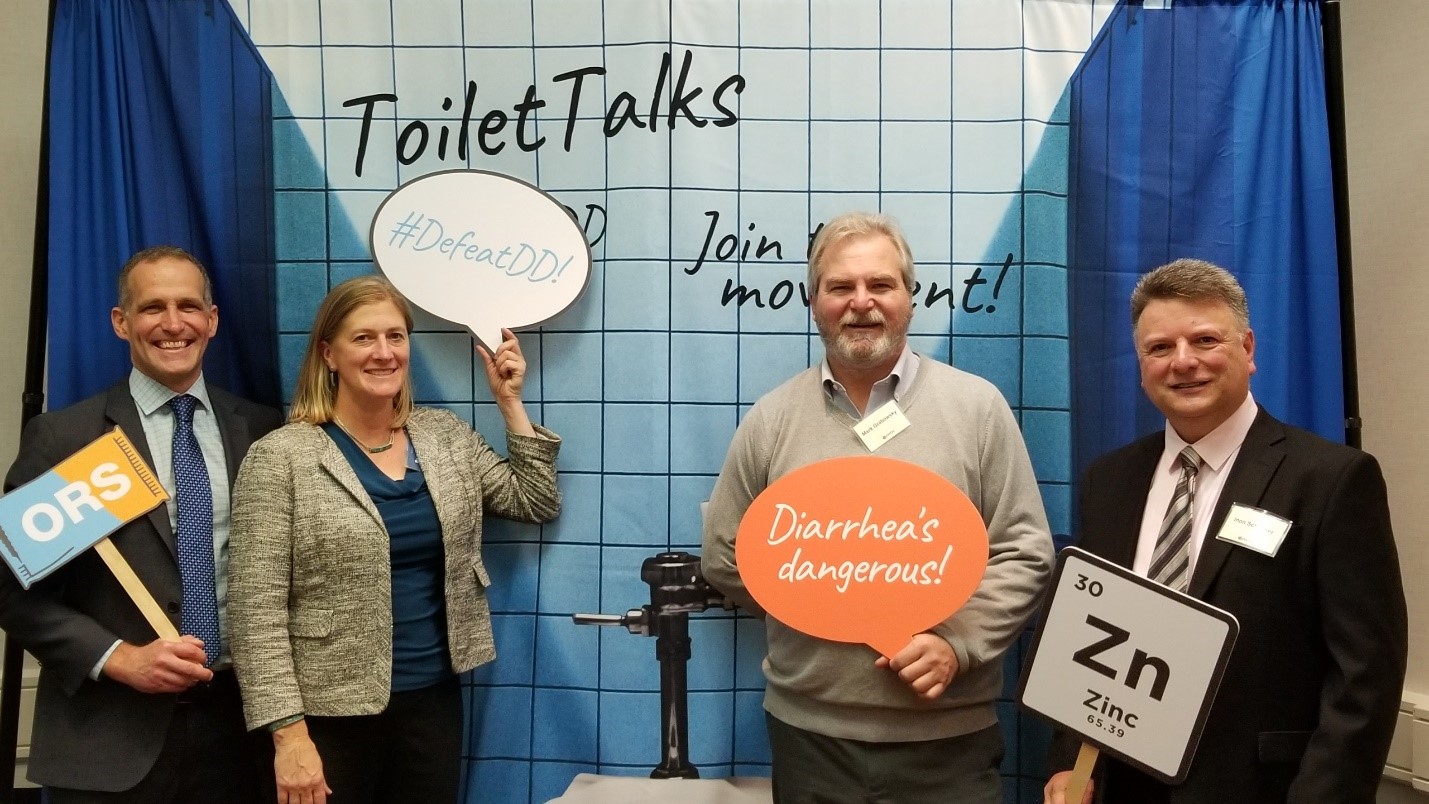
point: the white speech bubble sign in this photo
(482, 249)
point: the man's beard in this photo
(861, 350)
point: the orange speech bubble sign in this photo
(862, 549)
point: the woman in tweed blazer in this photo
(357, 591)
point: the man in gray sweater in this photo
(846, 725)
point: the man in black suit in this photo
(121, 716)
(1308, 703)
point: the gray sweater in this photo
(962, 429)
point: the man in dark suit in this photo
(1308, 703)
(121, 716)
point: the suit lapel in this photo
(232, 427)
(425, 442)
(335, 464)
(1131, 481)
(119, 408)
(1254, 467)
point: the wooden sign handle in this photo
(150, 607)
(1082, 773)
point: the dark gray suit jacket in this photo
(102, 735)
(1307, 707)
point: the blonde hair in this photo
(859, 224)
(315, 399)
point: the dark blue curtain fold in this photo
(161, 132)
(1200, 130)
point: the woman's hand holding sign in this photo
(505, 369)
(506, 374)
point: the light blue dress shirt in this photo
(157, 418)
(898, 381)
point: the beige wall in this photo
(1387, 106)
(22, 52)
(1387, 111)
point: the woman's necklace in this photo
(391, 438)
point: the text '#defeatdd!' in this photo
(422, 233)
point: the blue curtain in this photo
(160, 132)
(1200, 131)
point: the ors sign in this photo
(65, 511)
(1128, 664)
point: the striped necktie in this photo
(1171, 562)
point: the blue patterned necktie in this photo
(1171, 561)
(194, 498)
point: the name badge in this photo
(1255, 529)
(881, 425)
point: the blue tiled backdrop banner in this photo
(699, 205)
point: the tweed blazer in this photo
(310, 589)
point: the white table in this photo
(590, 788)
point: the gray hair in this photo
(858, 224)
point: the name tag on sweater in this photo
(878, 427)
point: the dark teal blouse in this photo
(419, 616)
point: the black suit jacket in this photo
(1307, 707)
(102, 735)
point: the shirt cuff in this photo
(98, 668)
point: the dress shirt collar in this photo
(899, 379)
(1218, 446)
(150, 395)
